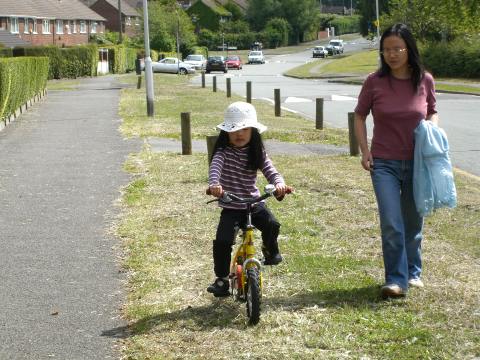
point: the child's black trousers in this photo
(262, 219)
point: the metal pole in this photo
(378, 24)
(178, 43)
(120, 39)
(148, 62)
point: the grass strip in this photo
(322, 301)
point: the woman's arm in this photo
(361, 134)
(433, 118)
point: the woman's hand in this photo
(216, 190)
(367, 160)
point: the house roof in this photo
(9, 40)
(216, 6)
(50, 9)
(242, 4)
(127, 9)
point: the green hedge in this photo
(6, 52)
(65, 62)
(455, 59)
(121, 59)
(20, 79)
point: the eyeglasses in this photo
(395, 51)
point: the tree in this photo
(260, 11)
(276, 31)
(300, 14)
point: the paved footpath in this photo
(61, 170)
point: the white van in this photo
(335, 46)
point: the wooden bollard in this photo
(229, 87)
(186, 134)
(211, 140)
(277, 102)
(203, 79)
(139, 82)
(319, 114)
(352, 139)
(249, 92)
(214, 84)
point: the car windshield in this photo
(232, 58)
(335, 43)
(216, 58)
(319, 48)
(256, 53)
(194, 57)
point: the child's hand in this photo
(216, 190)
(280, 190)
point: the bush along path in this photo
(323, 301)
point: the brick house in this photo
(109, 10)
(50, 22)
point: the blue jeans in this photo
(400, 223)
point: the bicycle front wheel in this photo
(253, 296)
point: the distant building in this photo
(48, 22)
(209, 14)
(109, 10)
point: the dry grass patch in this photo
(174, 95)
(322, 302)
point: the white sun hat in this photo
(240, 115)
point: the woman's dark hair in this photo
(255, 148)
(402, 31)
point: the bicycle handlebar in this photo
(228, 197)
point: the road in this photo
(459, 114)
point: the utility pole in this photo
(120, 27)
(148, 62)
(351, 8)
(378, 24)
(178, 42)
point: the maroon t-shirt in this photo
(397, 110)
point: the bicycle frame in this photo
(244, 256)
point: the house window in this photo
(34, 26)
(59, 26)
(74, 27)
(26, 26)
(46, 26)
(83, 27)
(93, 27)
(14, 25)
(128, 21)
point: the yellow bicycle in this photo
(245, 269)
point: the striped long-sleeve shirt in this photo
(229, 169)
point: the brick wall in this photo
(53, 37)
(110, 13)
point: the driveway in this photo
(60, 174)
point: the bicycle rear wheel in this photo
(253, 296)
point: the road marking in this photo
(342, 98)
(292, 99)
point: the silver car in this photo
(172, 65)
(256, 57)
(198, 61)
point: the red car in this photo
(234, 62)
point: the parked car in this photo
(234, 62)
(256, 57)
(172, 65)
(216, 63)
(198, 61)
(319, 51)
(335, 46)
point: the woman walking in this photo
(399, 95)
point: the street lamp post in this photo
(178, 43)
(148, 62)
(378, 23)
(120, 40)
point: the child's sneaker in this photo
(270, 259)
(219, 288)
(273, 259)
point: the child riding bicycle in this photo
(237, 156)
